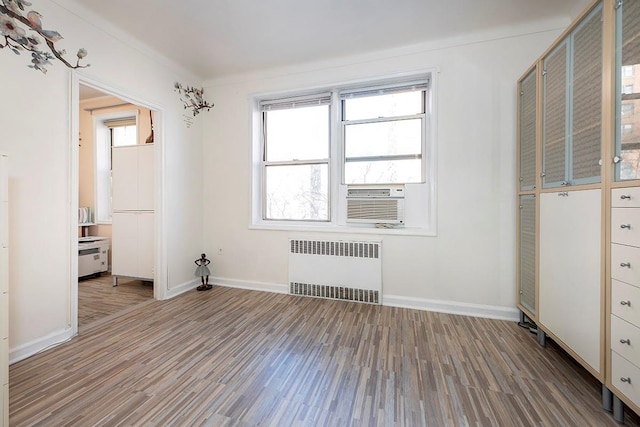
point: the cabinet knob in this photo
(625, 196)
(627, 226)
(626, 380)
(625, 341)
(627, 303)
(625, 264)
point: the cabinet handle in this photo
(624, 196)
(626, 380)
(625, 341)
(616, 159)
(625, 264)
(627, 226)
(625, 303)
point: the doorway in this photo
(112, 128)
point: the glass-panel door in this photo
(586, 100)
(554, 134)
(527, 253)
(628, 91)
(527, 136)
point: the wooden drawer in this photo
(625, 376)
(625, 226)
(625, 339)
(625, 302)
(625, 197)
(625, 263)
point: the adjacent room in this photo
(392, 213)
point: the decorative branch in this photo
(192, 98)
(13, 36)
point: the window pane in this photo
(383, 172)
(124, 135)
(383, 138)
(391, 105)
(298, 133)
(297, 192)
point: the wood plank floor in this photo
(244, 358)
(98, 298)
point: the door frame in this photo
(160, 251)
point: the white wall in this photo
(35, 112)
(470, 265)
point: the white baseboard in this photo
(182, 288)
(440, 306)
(36, 346)
(453, 307)
(250, 285)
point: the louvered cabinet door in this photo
(527, 132)
(554, 134)
(627, 157)
(586, 100)
(527, 253)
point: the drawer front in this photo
(625, 302)
(625, 263)
(625, 376)
(625, 226)
(625, 197)
(625, 339)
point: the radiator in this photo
(336, 269)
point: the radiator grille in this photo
(341, 270)
(348, 249)
(334, 292)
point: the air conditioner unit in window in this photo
(375, 204)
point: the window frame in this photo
(420, 198)
(103, 158)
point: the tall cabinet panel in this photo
(4, 292)
(570, 267)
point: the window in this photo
(308, 148)
(627, 109)
(627, 70)
(383, 135)
(296, 159)
(111, 130)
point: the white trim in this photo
(38, 345)
(453, 307)
(182, 288)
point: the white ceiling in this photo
(212, 38)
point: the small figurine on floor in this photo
(203, 272)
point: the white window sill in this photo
(330, 228)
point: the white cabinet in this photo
(133, 178)
(4, 292)
(570, 271)
(133, 245)
(133, 212)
